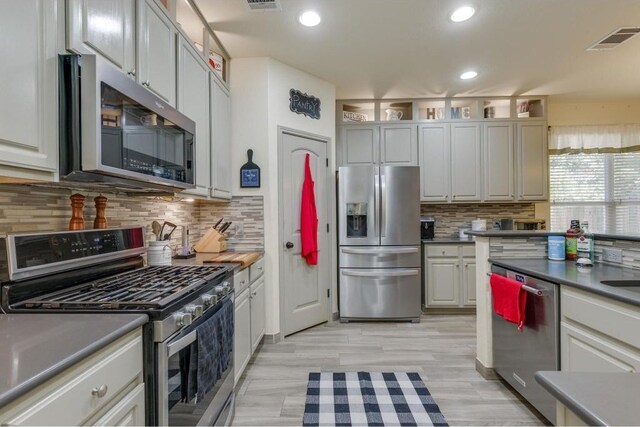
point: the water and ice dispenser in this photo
(356, 219)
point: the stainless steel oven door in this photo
(177, 400)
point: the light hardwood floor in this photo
(441, 348)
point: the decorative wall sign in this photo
(349, 116)
(250, 173)
(302, 103)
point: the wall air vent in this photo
(615, 38)
(264, 5)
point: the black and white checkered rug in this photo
(369, 399)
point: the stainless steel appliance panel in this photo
(380, 293)
(400, 205)
(358, 186)
(517, 356)
(380, 257)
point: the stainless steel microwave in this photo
(115, 132)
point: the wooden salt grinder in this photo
(101, 207)
(77, 218)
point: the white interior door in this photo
(303, 288)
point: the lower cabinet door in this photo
(258, 313)
(443, 282)
(128, 412)
(469, 283)
(242, 334)
(582, 350)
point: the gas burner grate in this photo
(146, 288)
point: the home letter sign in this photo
(302, 103)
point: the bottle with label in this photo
(585, 243)
(572, 240)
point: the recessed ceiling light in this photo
(462, 13)
(468, 75)
(309, 18)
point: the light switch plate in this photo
(612, 255)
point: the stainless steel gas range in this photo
(189, 340)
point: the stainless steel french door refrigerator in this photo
(379, 242)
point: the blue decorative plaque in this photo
(250, 173)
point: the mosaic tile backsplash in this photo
(452, 217)
(25, 208)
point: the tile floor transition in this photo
(441, 348)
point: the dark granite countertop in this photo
(598, 399)
(544, 233)
(450, 240)
(36, 347)
(566, 273)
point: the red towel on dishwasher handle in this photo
(509, 299)
(308, 217)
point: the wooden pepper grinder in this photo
(101, 207)
(77, 218)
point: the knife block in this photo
(212, 242)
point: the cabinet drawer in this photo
(442, 250)
(73, 398)
(256, 270)
(609, 317)
(241, 280)
(468, 250)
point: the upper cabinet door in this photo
(220, 139)
(193, 102)
(359, 145)
(105, 28)
(532, 161)
(466, 162)
(33, 37)
(399, 145)
(434, 163)
(498, 162)
(156, 51)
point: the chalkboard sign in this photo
(250, 173)
(302, 103)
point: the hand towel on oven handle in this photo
(509, 299)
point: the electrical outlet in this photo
(612, 255)
(239, 229)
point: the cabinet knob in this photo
(443, 252)
(99, 391)
(146, 83)
(132, 72)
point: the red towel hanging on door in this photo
(308, 218)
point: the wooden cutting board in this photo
(243, 258)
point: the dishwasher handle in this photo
(529, 289)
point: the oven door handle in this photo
(183, 342)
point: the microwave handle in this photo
(183, 342)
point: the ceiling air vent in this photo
(616, 38)
(264, 5)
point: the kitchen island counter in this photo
(36, 347)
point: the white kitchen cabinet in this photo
(434, 163)
(399, 145)
(499, 145)
(258, 312)
(34, 36)
(466, 162)
(242, 333)
(156, 51)
(532, 160)
(71, 397)
(220, 139)
(105, 28)
(598, 334)
(193, 101)
(450, 276)
(359, 145)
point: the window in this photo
(603, 189)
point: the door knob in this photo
(289, 245)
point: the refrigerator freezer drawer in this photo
(380, 257)
(380, 294)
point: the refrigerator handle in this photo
(376, 203)
(383, 204)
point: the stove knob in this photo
(227, 287)
(220, 290)
(208, 300)
(184, 319)
(194, 310)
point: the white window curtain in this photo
(595, 176)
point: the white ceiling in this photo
(409, 48)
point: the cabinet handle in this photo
(457, 265)
(146, 83)
(443, 252)
(132, 72)
(99, 391)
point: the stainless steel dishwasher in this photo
(517, 356)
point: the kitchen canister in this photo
(556, 248)
(159, 253)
